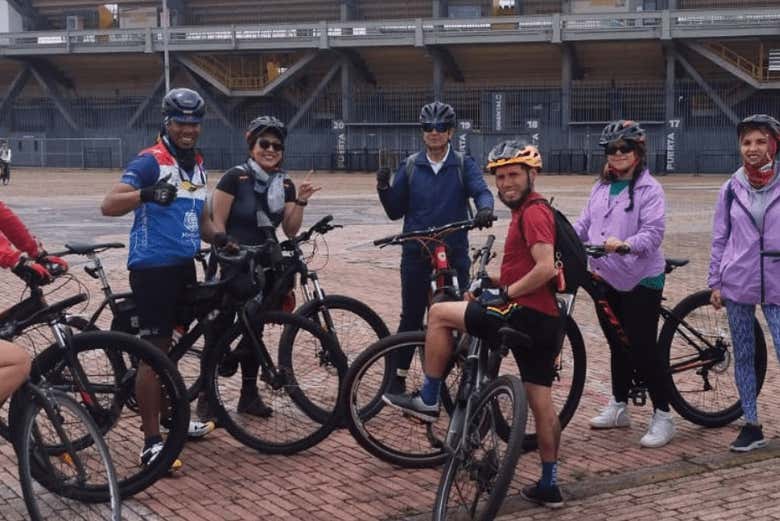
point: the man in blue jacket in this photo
(432, 188)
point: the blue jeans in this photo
(743, 337)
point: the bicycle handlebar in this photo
(426, 233)
(598, 250)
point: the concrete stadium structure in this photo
(82, 89)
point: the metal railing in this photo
(417, 32)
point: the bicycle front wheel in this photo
(696, 342)
(395, 365)
(303, 397)
(352, 326)
(110, 362)
(52, 470)
(476, 477)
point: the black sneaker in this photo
(549, 497)
(750, 437)
(253, 405)
(413, 405)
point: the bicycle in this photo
(302, 386)
(98, 369)
(483, 438)
(61, 453)
(392, 437)
(352, 324)
(695, 343)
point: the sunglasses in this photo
(623, 149)
(438, 127)
(265, 144)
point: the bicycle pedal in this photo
(175, 467)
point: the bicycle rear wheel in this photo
(109, 360)
(52, 470)
(476, 477)
(385, 431)
(304, 398)
(696, 342)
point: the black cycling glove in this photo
(493, 297)
(383, 178)
(484, 218)
(162, 192)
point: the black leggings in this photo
(638, 312)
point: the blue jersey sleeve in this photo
(141, 172)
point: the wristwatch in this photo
(300, 202)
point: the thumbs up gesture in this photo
(162, 192)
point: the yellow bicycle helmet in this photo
(514, 152)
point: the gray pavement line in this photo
(594, 486)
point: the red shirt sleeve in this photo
(538, 225)
(14, 233)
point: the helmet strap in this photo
(186, 158)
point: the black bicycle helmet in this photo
(265, 124)
(183, 106)
(625, 130)
(438, 112)
(760, 121)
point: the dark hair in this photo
(640, 149)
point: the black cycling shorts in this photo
(537, 363)
(156, 292)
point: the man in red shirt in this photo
(525, 301)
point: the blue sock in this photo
(430, 390)
(549, 474)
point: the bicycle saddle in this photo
(674, 263)
(513, 338)
(83, 248)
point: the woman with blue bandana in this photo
(250, 202)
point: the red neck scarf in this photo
(759, 176)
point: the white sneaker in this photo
(661, 430)
(614, 415)
(198, 429)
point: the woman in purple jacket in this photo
(627, 208)
(746, 222)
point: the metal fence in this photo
(383, 125)
(67, 152)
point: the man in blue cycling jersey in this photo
(165, 187)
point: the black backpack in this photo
(569, 252)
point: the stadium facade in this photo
(81, 83)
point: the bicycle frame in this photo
(707, 356)
(34, 310)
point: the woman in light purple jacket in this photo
(627, 208)
(747, 222)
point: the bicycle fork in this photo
(457, 431)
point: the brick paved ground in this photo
(338, 480)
